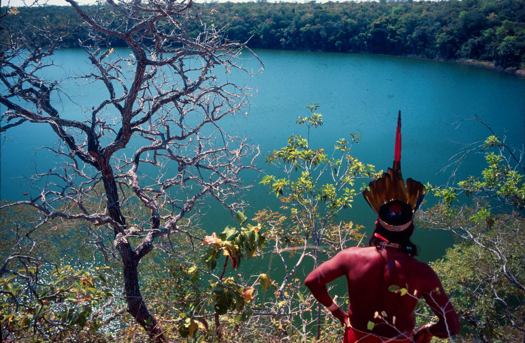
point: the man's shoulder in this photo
(358, 253)
(428, 276)
(426, 269)
(355, 258)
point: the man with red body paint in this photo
(384, 280)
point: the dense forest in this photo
(483, 30)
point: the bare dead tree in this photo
(164, 102)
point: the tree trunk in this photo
(130, 260)
(111, 189)
(136, 306)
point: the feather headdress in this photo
(393, 201)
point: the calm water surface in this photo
(357, 93)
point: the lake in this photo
(358, 93)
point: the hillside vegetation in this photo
(483, 30)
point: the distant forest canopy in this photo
(483, 30)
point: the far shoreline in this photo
(471, 62)
(490, 65)
(465, 61)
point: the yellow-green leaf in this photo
(265, 281)
(301, 297)
(393, 288)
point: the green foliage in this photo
(447, 194)
(314, 120)
(486, 30)
(297, 152)
(499, 179)
(317, 186)
(492, 141)
(227, 296)
(309, 191)
(64, 303)
(193, 304)
(397, 10)
(235, 243)
(224, 295)
(47, 294)
(188, 327)
(484, 296)
(484, 270)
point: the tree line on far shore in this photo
(482, 30)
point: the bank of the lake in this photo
(489, 65)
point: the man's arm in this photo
(448, 324)
(327, 272)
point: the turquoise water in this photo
(362, 93)
(357, 93)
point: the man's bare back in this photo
(384, 286)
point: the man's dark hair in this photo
(402, 238)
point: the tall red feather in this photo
(397, 151)
(391, 185)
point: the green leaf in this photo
(265, 282)
(195, 276)
(81, 320)
(267, 180)
(228, 233)
(301, 297)
(492, 141)
(241, 217)
(403, 291)
(251, 239)
(261, 241)
(212, 262)
(393, 288)
(370, 325)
